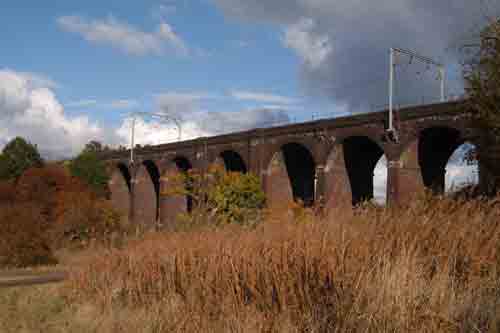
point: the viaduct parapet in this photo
(329, 162)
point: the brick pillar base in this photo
(338, 187)
(404, 177)
(277, 184)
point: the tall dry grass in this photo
(431, 267)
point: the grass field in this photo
(431, 267)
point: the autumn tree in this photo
(482, 77)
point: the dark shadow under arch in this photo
(435, 147)
(301, 170)
(233, 161)
(154, 174)
(126, 175)
(361, 155)
(184, 165)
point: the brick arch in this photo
(373, 134)
(232, 160)
(120, 186)
(422, 159)
(273, 146)
(146, 193)
(349, 170)
(240, 152)
(408, 140)
(172, 204)
(291, 175)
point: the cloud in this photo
(459, 176)
(312, 48)
(344, 45)
(380, 181)
(458, 172)
(125, 37)
(262, 97)
(119, 104)
(34, 112)
(195, 121)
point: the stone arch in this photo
(291, 175)
(120, 188)
(174, 204)
(317, 150)
(147, 193)
(233, 161)
(422, 161)
(435, 147)
(361, 155)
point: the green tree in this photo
(96, 147)
(482, 77)
(18, 156)
(217, 195)
(90, 168)
(236, 197)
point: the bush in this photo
(85, 220)
(48, 186)
(236, 197)
(25, 239)
(7, 191)
(226, 197)
(91, 170)
(18, 156)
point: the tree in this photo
(217, 195)
(96, 147)
(482, 77)
(90, 168)
(18, 156)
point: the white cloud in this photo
(380, 181)
(262, 97)
(458, 172)
(312, 47)
(343, 44)
(35, 113)
(196, 122)
(125, 37)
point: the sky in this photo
(72, 71)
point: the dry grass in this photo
(433, 267)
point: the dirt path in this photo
(14, 279)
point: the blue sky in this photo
(224, 55)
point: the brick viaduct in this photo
(329, 161)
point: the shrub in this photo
(236, 197)
(85, 220)
(7, 191)
(25, 240)
(91, 170)
(226, 197)
(18, 156)
(48, 187)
